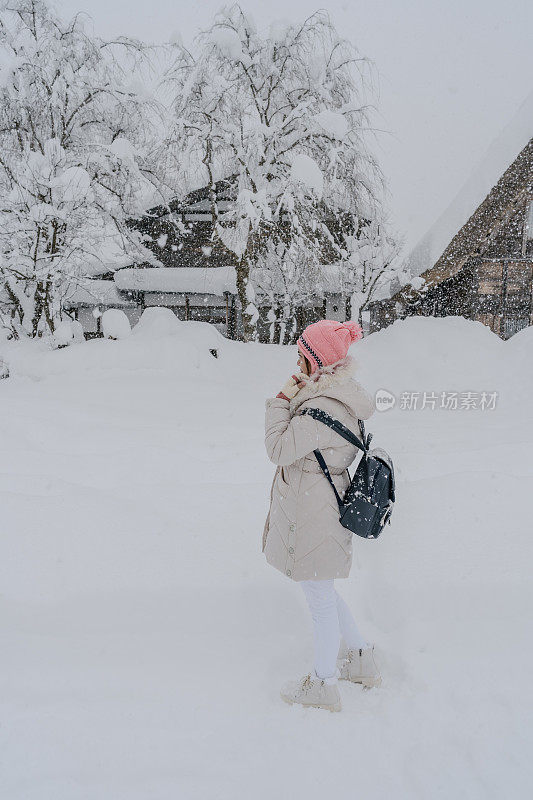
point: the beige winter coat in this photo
(303, 537)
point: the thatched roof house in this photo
(477, 261)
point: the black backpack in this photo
(369, 499)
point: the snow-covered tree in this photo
(370, 262)
(285, 275)
(78, 158)
(285, 115)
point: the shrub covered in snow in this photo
(63, 334)
(77, 331)
(115, 324)
(157, 322)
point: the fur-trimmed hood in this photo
(336, 381)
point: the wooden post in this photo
(232, 321)
(300, 320)
(503, 301)
(531, 285)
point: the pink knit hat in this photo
(327, 341)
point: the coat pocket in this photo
(283, 484)
(265, 533)
(267, 521)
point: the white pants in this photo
(331, 619)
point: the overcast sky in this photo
(451, 75)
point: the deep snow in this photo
(144, 636)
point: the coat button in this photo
(292, 526)
(291, 550)
(289, 573)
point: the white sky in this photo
(451, 75)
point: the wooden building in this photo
(198, 277)
(204, 294)
(87, 301)
(485, 271)
(192, 294)
(207, 294)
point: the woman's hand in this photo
(292, 387)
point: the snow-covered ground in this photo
(144, 636)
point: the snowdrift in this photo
(145, 638)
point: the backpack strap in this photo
(342, 430)
(325, 470)
(339, 428)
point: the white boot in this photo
(359, 666)
(313, 691)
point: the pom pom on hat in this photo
(327, 341)
(356, 331)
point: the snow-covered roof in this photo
(201, 280)
(94, 293)
(500, 155)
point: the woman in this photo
(303, 537)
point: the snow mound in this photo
(161, 323)
(158, 343)
(522, 341)
(421, 353)
(115, 324)
(77, 331)
(204, 336)
(63, 334)
(156, 322)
